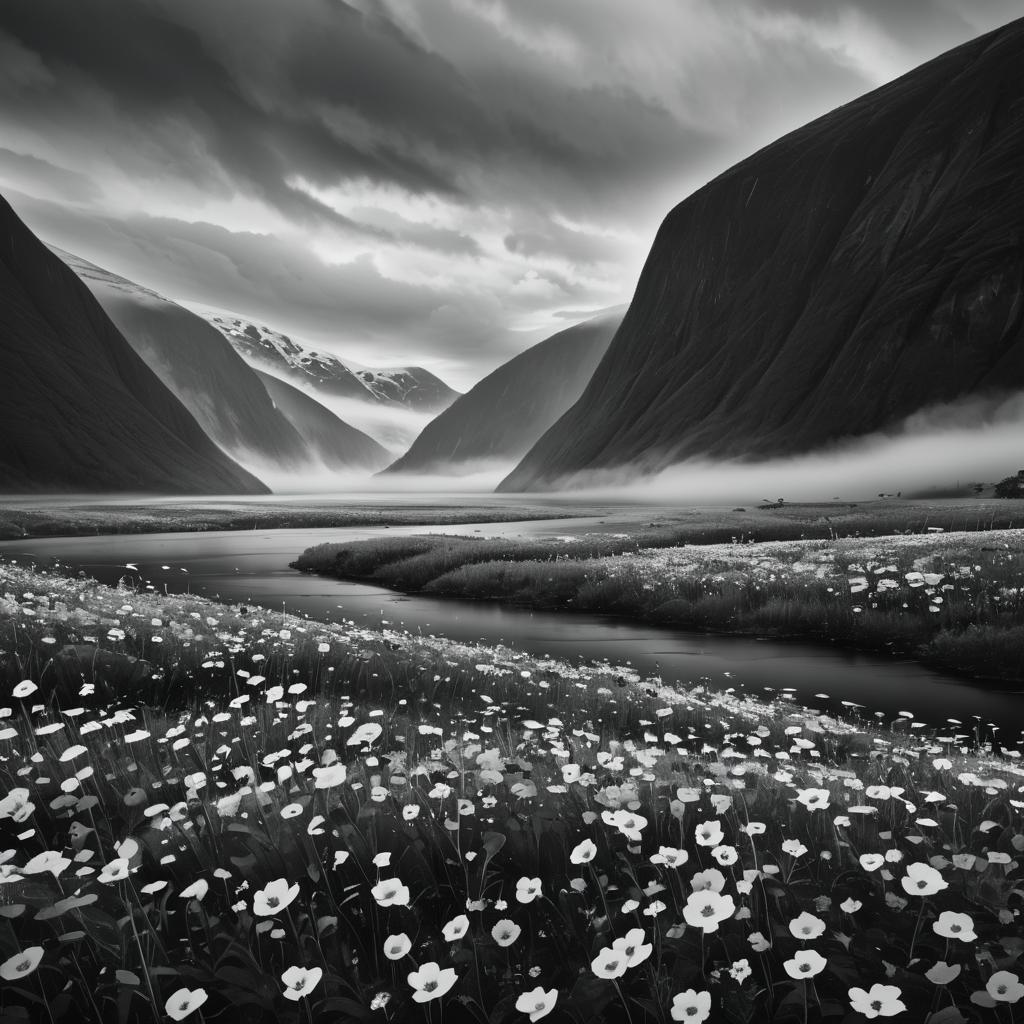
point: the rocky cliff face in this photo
(81, 410)
(408, 387)
(855, 271)
(503, 415)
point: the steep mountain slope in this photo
(855, 271)
(503, 415)
(266, 349)
(195, 361)
(81, 411)
(329, 439)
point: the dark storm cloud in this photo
(134, 66)
(16, 168)
(417, 173)
(351, 306)
(244, 95)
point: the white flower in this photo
(274, 897)
(115, 871)
(806, 926)
(709, 833)
(300, 981)
(923, 880)
(537, 1003)
(505, 932)
(396, 946)
(330, 776)
(196, 891)
(706, 909)
(183, 1002)
(584, 852)
(814, 799)
(690, 1006)
(391, 893)
(806, 963)
(633, 947)
(22, 964)
(455, 928)
(431, 982)
(1004, 987)
(528, 889)
(609, 963)
(951, 925)
(880, 1001)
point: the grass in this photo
(55, 518)
(955, 600)
(266, 818)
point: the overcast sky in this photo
(440, 182)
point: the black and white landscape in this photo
(511, 511)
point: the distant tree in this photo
(1011, 486)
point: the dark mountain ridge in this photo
(81, 410)
(507, 411)
(857, 270)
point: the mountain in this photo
(245, 412)
(81, 410)
(857, 270)
(330, 440)
(411, 387)
(503, 415)
(209, 378)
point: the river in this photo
(251, 566)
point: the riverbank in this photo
(65, 518)
(653, 525)
(954, 600)
(346, 811)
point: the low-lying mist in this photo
(315, 478)
(940, 450)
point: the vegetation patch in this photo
(952, 599)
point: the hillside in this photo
(196, 362)
(857, 270)
(506, 412)
(411, 387)
(328, 439)
(81, 410)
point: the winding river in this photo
(252, 566)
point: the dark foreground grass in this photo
(954, 600)
(319, 823)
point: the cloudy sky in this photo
(433, 181)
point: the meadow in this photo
(43, 517)
(230, 814)
(954, 600)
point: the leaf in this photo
(340, 1004)
(102, 928)
(493, 842)
(127, 977)
(947, 1015)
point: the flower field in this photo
(228, 814)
